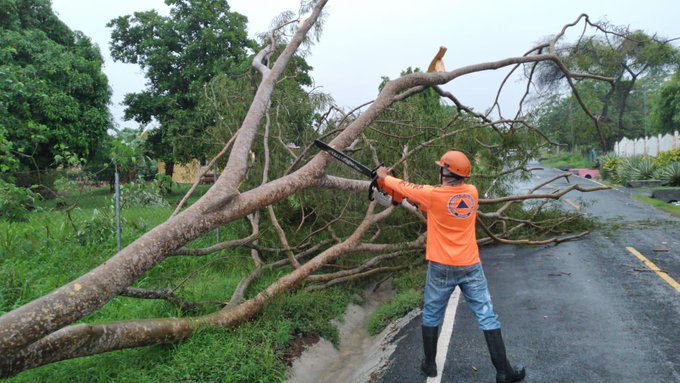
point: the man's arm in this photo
(399, 189)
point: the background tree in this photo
(226, 99)
(627, 57)
(180, 54)
(665, 107)
(53, 95)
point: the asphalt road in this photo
(575, 312)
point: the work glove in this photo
(386, 200)
(381, 197)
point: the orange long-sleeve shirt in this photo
(451, 214)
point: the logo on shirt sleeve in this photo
(461, 206)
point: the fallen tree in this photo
(46, 330)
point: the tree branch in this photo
(218, 247)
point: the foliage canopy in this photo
(180, 54)
(637, 62)
(53, 95)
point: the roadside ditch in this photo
(359, 357)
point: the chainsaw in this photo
(382, 198)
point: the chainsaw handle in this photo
(374, 184)
(374, 181)
(382, 164)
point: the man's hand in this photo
(382, 172)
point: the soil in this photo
(298, 346)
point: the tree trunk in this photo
(170, 168)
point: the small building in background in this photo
(186, 173)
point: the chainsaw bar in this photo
(345, 159)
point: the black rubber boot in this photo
(504, 370)
(430, 335)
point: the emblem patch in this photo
(461, 206)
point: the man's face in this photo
(445, 172)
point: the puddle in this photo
(359, 355)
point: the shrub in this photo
(140, 194)
(670, 174)
(635, 168)
(164, 183)
(15, 202)
(666, 158)
(609, 164)
(64, 189)
(98, 229)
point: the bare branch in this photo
(492, 201)
(227, 185)
(355, 276)
(239, 293)
(370, 263)
(343, 184)
(163, 294)
(270, 209)
(325, 135)
(506, 172)
(200, 175)
(218, 247)
(443, 136)
(530, 242)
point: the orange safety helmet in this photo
(456, 162)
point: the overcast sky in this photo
(364, 40)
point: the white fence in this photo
(650, 146)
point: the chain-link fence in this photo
(153, 201)
(99, 206)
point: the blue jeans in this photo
(440, 283)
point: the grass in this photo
(50, 250)
(649, 190)
(102, 197)
(567, 160)
(409, 296)
(661, 205)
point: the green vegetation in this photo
(667, 158)
(639, 64)
(48, 250)
(669, 174)
(139, 193)
(665, 113)
(399, 306)
(665, 167)
(180, 53)
(635, 168)
(53, 94)
(609, 164)
(409, 295)
(15, 202)
(567, 160)
(667, 207)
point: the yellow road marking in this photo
(650, 265)
(575, 206)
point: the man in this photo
(453, 257)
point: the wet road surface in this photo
(582, 311)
